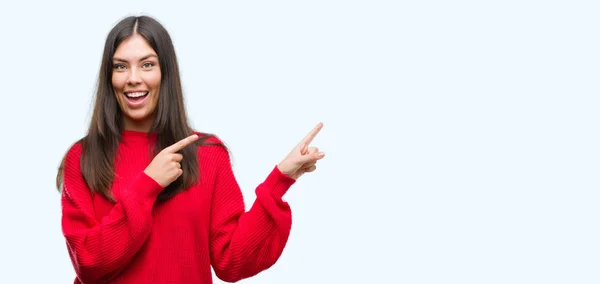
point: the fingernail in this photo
(321, 155)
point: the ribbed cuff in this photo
(144, 187)
(278, 183)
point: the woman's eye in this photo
(148, 65)
(119, 66)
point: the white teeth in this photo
(136, 95)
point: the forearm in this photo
(100, 248)
(251, 242)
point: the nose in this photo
(134, 77)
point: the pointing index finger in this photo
(182, 143)
(311, 135)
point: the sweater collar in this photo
(129, 135)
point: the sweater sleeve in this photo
(246, 243)
(101, 249)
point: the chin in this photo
(137, 116)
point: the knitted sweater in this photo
(137, 240)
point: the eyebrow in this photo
(141, 59)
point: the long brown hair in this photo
(171, 123)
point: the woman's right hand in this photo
(165, 167)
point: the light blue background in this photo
(461, 136)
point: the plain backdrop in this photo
(462, 137)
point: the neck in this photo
(139, 126)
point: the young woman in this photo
(146, 199)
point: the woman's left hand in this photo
(303, 158)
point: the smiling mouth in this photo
(136, 96)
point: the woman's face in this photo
(136, 81)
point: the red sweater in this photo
(136, 240)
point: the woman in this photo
(145, 198)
